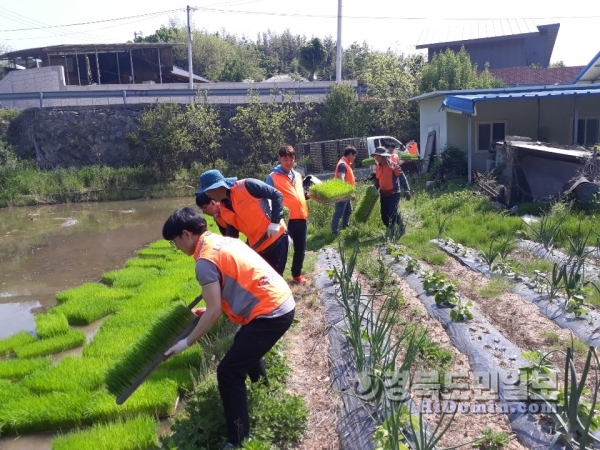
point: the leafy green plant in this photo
(139, 433)
(461, 311)
(412, 265)
(331, 190)
(156, 341)
(548, 230)
(447, 293)
(433, 281)
(540, 370)
(491, 440)
(388, 435)
(579, 242)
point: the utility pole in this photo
(338, 59)
(189, 49)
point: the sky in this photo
(382, 24)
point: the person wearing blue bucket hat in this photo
(254, 208)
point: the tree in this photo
(169, 131)
(449, 71)
(343, 114)
(558, 64)
(4, 48)
(313, 56)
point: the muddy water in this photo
(46, 249)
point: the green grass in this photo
(92, 291)
(70, 374)
(51, 324)
(129, 278)
(139, 433)
(331, 190)
(15, 369)
(43, 347)
(8, 345)
(495, 287)
(156, 341)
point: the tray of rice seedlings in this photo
(92, 290)
(129, 278)
(15, 369)
(84, 311)
(331, 191)
(158, 263)
(183, 377)
(9, 392)
(175, 323)
(8, 345)
(48, 412)
(140, 433)
(368, 162)
(366, 204)
(408, 157)
(56, 344)
(51, 324)
(158, 398)
(72, 373)
(112, 343)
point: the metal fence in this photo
(324, 155)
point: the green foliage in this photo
(15, 369)
(491, 440)
(450, 164)
(9, 113)
(169, 132)
(344, 115)
(51, 324)
(164, 330)
(365, 205)
(60, 343)
(136, 434)
(9, 344)
(313, 56)
(449, 71)
(331, 190)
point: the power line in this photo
(93, 22)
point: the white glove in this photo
(272, 229)
(178, 348)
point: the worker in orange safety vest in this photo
(343, 171)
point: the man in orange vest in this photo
(237, 282)
(389, 180)
(213, 209)
(343, 171)
(254, 208)
(289, 182)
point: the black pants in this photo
(389, 209)
(245, 358)
(297, 231)
(276, 253)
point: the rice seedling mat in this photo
(331, 202)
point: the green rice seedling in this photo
(161, 243)
(408, 157)
(163, 332)
(70, 374)
(51, 324)
(8, 345)
(331, 190)
(190, 358)
(129, 278)
(157, 263)
(139, 433)
(83, 311)
(15, 369)
(365, 205)
(43, 347)
(154, 397)
(10, 392)
(50, 412)
(183, 377)
(368, 162)
(92, 290)
(112, 343)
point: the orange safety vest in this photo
(249, 285)
(293, 194)
(349, 173)
(250, 216)
(385, 175)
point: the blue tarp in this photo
(466, 103)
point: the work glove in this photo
(177, 348)
(272, 229)
(407, 195)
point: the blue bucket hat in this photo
(212, 179)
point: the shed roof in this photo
(519, 76)
(590, 73)
(40, 52)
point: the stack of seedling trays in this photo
(331, 191)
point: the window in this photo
(488, 132)
(588, 132)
